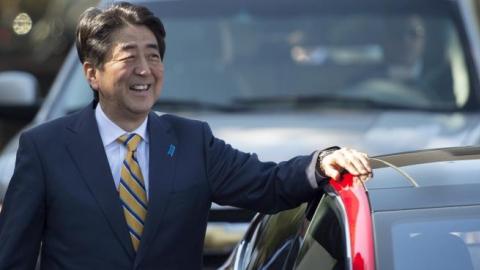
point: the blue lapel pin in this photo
(171, 150)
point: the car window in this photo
(325, 242)
(443, 238)
(251, 57)
(272, 240)
(307, 57)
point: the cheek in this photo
(159, 72)
(158, 68)
(159, 75)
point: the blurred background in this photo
(35, 36)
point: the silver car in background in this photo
(283, 78)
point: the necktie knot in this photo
(131, 141)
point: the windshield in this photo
(438, 238)
(254, 57)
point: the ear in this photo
(90, 72)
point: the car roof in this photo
(434, 167)
(423, 179)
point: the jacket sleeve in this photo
(242, 180)
(23, 213)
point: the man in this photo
(116, 186)
(404, 48)
(408, 63)
(404, 75)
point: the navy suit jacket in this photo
(62, 196)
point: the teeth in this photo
(140, 87)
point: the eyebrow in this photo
(126, 47)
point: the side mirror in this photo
(18, 95)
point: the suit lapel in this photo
(161, 173)
(86, 148)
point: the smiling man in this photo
(115, 186)
(130, 80)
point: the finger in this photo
(332, 172)
(358, 160)
(350, 167)
(344, 160)
(364, 177)
(358, 164)
(366, 162)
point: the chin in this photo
(139, 110)
(139, 106)
(142, 111)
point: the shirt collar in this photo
(109, 131)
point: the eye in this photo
(128, 58)
(155, 56)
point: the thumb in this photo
(332, 172)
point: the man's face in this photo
(406, 42)
(131, 78)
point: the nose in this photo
(142, 67)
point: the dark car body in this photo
(420, 210)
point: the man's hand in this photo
(356, 163)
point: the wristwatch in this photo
(322, 155)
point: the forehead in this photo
(131, 36)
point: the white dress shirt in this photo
(109, 132)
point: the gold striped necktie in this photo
(132, 189)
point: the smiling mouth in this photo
(140, 87)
